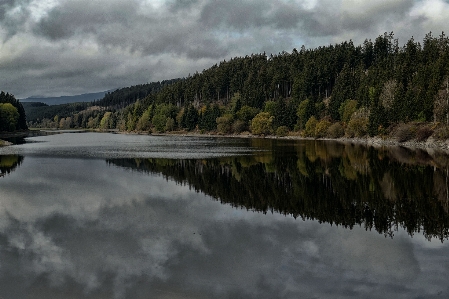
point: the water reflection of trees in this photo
(9, 163)
(348, 185)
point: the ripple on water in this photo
(106, 145)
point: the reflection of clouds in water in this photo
(140, 236)
(366, 253)
(46, 186)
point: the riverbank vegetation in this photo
(375, 89)
(12, 114)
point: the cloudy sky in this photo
(68, 47)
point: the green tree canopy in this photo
(262, 124)
(9, 117)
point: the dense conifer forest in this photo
(377, 88)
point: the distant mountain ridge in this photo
(87, 97)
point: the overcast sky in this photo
(68, 47)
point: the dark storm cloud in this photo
(4, 7)
(369, 19)
(242, 15)
(7, 5)
(13, 14)
(121, 25)
(87, 17)
(356, 19)
(231, 14)
(177, 5)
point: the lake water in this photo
(96, 215)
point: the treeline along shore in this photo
(12, 118)
(376, 89)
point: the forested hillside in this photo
(129, 95)
(84, 114)
(12, 114)
(330, 91)
(36, 111)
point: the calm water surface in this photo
(92, 215)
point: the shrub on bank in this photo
(404, 132)
(309, 130)
(335, 130)
(239, 126)
(224, 124)
(321, 128)
(282, 131)
(170, 124)
(262, 124)
(441, 133)
(358, 125)
(423, 133)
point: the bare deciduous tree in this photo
(441, 104)
(387, 96)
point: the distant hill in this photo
(125, 96)
(36, 111)
(87, 97)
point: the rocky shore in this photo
(4, 143)
(376, 142)
(430, 143)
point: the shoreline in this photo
(376, 142)
(7, 135)
(19, 134)
(4, 143)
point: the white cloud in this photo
(434, 12)
(40, 8)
